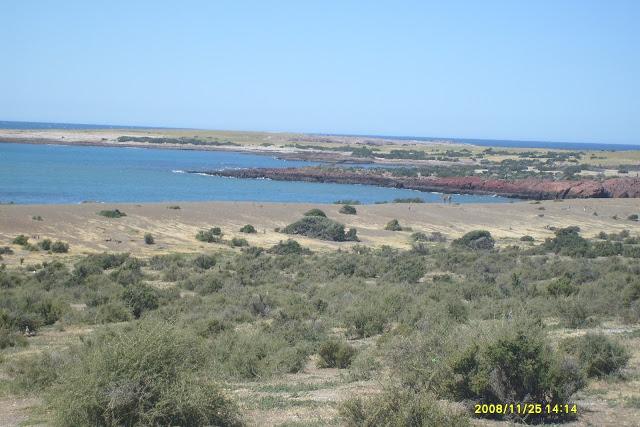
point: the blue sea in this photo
(42, 174)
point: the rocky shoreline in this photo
(536, 189)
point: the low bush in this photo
(238, 242)
(574, 314)
(204, 262)
(393, 225)
(397, 408)
(561, 287)
(34, 373)
(633, 217)
(248, 229)
(44, 244)
(435, 236)
(516, 367)
(409, 200)
(597, 354)
(288, 247)
(148, 239)
(140, 298)
(477, 239)
(213, 235)
(6, 250)
(114, 213)
(315, 212)
(141, 375)
(527, 238)
(21, 240)
(335, 354)
(9, 338)
(59, 247)
(321, 228)
(348, 210)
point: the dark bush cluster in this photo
(213, 235)
(114, 213)
(477, 239)
(321, 228)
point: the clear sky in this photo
(554, 70)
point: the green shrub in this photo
(567, 242)
(173, 207)
(45, 244)
(148, 239)
(574, 314)
(517, 367)
(597, 354)
(335, 354)
(143, 375)
(59, 247)
(315, 212)
(115, 213)
(204, 262)
(561, 287)
(9, 338)
(288, 247)
(256, 354)
(34, 373)
(348, 210)
(248, 229)
(435, 236)
(140, 298)
(6, 250)
(393, 225)
(399, 408)
(113, 312)
(633, 217)
(238, 242)
(37, 218)
(409, 200)
(21, 240)
(527, 238)
(477, 239)
(212, 235)
(321, 228)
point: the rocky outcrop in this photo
(526, 188)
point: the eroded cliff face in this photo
(526, 188)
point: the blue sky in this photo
(536, 70)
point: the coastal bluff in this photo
(530, 188)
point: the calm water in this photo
(72, 174)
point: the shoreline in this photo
(527, 189)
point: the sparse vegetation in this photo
(321, 228)
(114, 213)
(348, 210)
(149, 239)
(439, 327)
(335, 354)
(213, 235)
(315, 212)
(248, 229)
(393, 225)
(477, 239)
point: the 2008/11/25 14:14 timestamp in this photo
(525, 408)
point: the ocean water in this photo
(42, 174)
